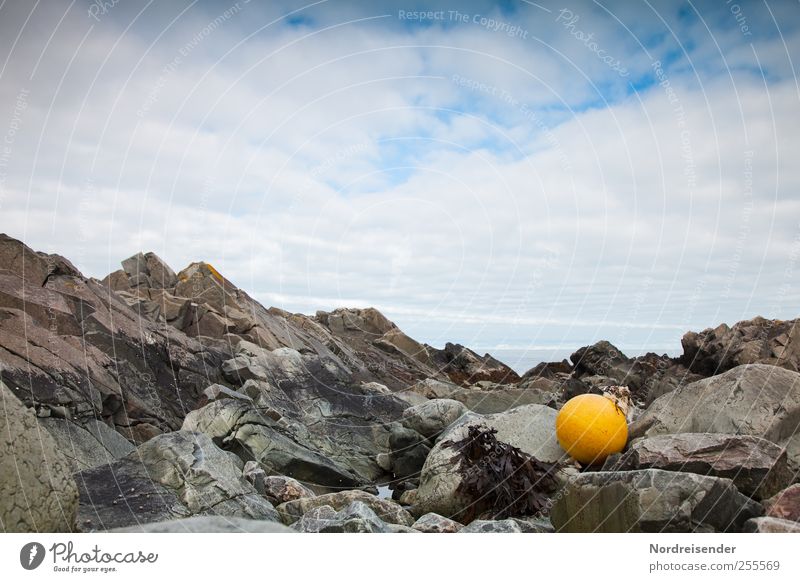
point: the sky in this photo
(499, 174)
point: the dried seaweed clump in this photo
(502, 480)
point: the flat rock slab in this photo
(755, 465)
(651, 500)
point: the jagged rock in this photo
(81, 448)
(648, 376)
(756, 341)
(549, 370)
(435, 523)
(651, 500)
(770, 525)
(432, 417)
(281, 489)
(465, 367)
(148, 270)
(785, 504)
(755, 399)
(510, 525)
(76, 350)
(37, 491)
(177, 474)
(208, 524)
(756, 466)
(530, 428)
(386, 510)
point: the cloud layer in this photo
(520, 175)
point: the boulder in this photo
(254, 436)
(756, 466)
(651, 500)
(530, 428)
(357, 517)
(785, 504)
(771, 525)
(408, 451)
(755, 399)
(435, 523)
(432, 417)
(281, 489)
(37, 491)
(176, 474)
(207, 524)
(386, 510)
(256, 476)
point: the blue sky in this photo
(516, 174)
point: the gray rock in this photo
(176, 474)
(386, 510)
(256, 476)
(37, 491)
(432, 417)
(651, 500)
(116, 444)
(771, 525)
(435, 523)
(530, 428)
(357, 517)
(316, 519)
(255, 436)
(756, 399)
(503, 399)
(208, 524)
(80, 448)
(409, 450)
(502, 526)
(755, 465)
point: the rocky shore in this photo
(163, 401)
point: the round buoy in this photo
(591, 427)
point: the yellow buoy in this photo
(591, 427)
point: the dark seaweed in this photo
(502, 480)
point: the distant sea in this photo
(522, 360)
